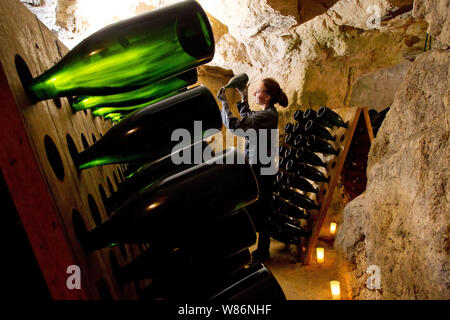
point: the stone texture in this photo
(401, 222)
(435, 12)
(376, 90)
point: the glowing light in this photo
(153, 205)
(333, 228)
(335, 290)
(320, 255)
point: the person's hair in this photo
(275, 92)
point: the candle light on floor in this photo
(333, 228)
(320, 255)
(335, 290)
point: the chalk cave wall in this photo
(337, 53)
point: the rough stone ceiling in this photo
(316, 49)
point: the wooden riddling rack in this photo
(37, 166)
(358, 125)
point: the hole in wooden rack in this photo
(122, 178)
(23, 71)
(94, 139)
(342, 138)
(71, 146)
(123, 251)
(114, 264)
(57, 102)
(324, 191)
(333, 164)
(103, 290)
(94, 210)
(84, 141)
(53, 157)
(138, 289)
(36, 45)
(115, 179)
(101, 134)
(79, 226)
(85, 111)
(104, 197)
(110, 186)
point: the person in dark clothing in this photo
(267, 94)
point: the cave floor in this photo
(302, 282)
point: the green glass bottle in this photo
(298, 115)
(300, 141)
(124, 110)
(207, 247)
(315, 144)
(288, 127)
(313, 128)
(300, 183)
(146, 133)
(153, 171)
(296, 198)
(164, 211)
(309, 157)
(143, 95)
(330, 116)
(130, 54)
(283, 207)
(308, 172)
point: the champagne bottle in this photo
(316, 144)
(300, 141)
(278, 234)
(298, 115)
(306, 156)
(238, 81)
(309, 172)
(207, 249)
(287, 208)
(309, 114)
(313, 128)
(146, 94)
(168, 209)
(280, 218)
(290, 139)
(146, 133)
(330, 116)
(155, 170)
(297, 198)
(181, 282)
(297, 128)
(281, 150)
(281, 162)
(288, 127)
(289, 153)
(131, 54)
(125, 110)
(279, 179)
(255, 283)
(301, 184)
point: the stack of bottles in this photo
(303, 157)
(179, 196)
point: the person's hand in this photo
(221, 95)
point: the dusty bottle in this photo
(309, 157)
(289, 153)
(328, 115)
(238, 81)
(300, 141)
(298, 115)
(146, 133)
(315, 144)
(145, 95)
(308, 172)
(166, 210)
(300, 183)
(288, 127)
(131, 54)
(313, 128)
(283, 207)
(297, 198)
(155, 170)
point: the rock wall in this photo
(401, 222)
